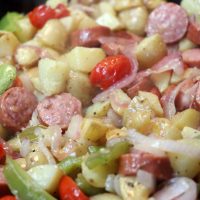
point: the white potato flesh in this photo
(47, 176)
(53, 76)
(105, 196)
(84, 59)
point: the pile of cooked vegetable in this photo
(100, 100)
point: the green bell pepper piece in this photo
(7, 76)
(106, 155)
(21, 184)
(70, 164)
(86, 187)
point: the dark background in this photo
(24, 5)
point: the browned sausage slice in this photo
(169, 20)
(193, 33)
(16, 107)
(58, 110)
(192, 57)
(159, 166)
(89, 37)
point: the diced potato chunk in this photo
(105, 196)
(53, 35)
(131, 189)
(189, 117)
(54, 3)
(84, 59)
(119, 101)
(186, 44)
(79, 85)
(184, 165)
(164, 128)
(109, 21)
(115, 133)
(98, 109)
(150, 50)
(53, 76)
(97, 176)
(162, 80)
(153, 101)
(86, 22)
(126, 4)
(135, 19)
(25, 30)
(47, 176)
(69, 23)
(93, 129)
(152, 4)
(8, 44)
(190, 133)
(106, 7)
(192, 7)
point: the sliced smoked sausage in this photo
(16, 107)
(159, 166)
(192, 57)
(193, 33)
(169, 20)
(89, 37)
(58, 110)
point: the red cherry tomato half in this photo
(40, 15)
(61, 11)
(8, 197)
(110, 70)
(68, 190)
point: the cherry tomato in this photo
(68, 190)
(61, 11)
(40, 15)
(110, 70)
(8, 197)
(2, 154)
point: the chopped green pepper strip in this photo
(21, 184)
(7, 76)
(86, 187)
(70, 164)
(106, 155)
(9, 21)
(94, 149)
(29, 134)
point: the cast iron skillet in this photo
(25, 5)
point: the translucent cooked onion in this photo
(165, 145)
(25, 147)
(180, 188)
(147, 179)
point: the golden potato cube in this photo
(164, 128)
(98, 109)
(126, 4)
(84, 59)
(93, 129)
(115, 133)
(152, 4)
(79, 85)
(119, 101)
(150, 50)
(153, 101)
(190, 133)
(184, 165)
(135, 19)
(189, 117)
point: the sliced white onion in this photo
(164, 145)
(24, 77)
(113, 118)
(180, 188)
(147, 179)
(25, 147)
(46, 152)
(74, 129)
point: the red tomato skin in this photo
(61, 11)
(2, 154)
(68, 190)
(110, 70)
(8, 197)
(40, 15)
